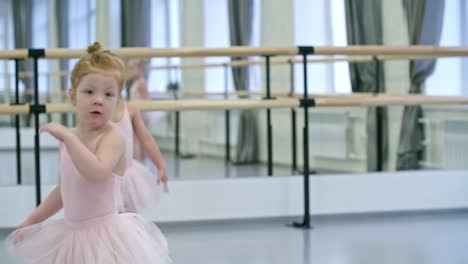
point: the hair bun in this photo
(95, 47)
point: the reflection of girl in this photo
(138, 91)
(139, 186)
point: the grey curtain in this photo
(240, 28)
(23, 35)
(61, 16)
(424, 21)
(136, 23)
(135, 26)
(364, 27)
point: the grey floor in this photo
(410, 238)
(429, 238)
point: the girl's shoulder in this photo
(132, 110)
(114, 134)
(112, 138)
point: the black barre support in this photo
(227, 116)
(19, 179)
(306, 103)
(177, 119)
(177, 131)
(37, 109)
(293, 118)
(269, 127)
(270, 143)
(379, 114)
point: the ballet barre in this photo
(365, 100)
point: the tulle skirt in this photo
(139, 190)
(111, 239)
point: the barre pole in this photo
(373, 50)
(13, 54)
(389, 100)
(36, 110)
(306, 218)
(239, 51)
(293, 119)
(227, 116)
(379, 114)
(278, 103)
(268, 110)
(177, 116)
(17, 127)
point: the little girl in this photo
(138, 188)
(92, 158)
(138, 91)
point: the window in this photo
(256, 71)
(217, 35)
(115, 34)
(321, 23)
(7, 80)
(448, 77)
(82, 25)
(41, 33)
(165, 27)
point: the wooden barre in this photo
(389, 100)
(191, 105)
(14, 109)
(239, 51)
(263, 93)
(273, 61)
(175, 105)
(393, 50)
(60, 108)
(295, 60)
(184, 105)
(30, 74)
(14, 54)
(244, 51)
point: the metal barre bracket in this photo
(307, 102)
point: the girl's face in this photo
(95, 99)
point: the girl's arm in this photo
(94, 167)
(51, 205)
(143, 89)
(149, 145)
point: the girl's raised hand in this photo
(162, 178)
(55, 129)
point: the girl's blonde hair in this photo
(99, 61)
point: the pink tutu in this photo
(111, 239)
(139, 189)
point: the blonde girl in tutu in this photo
(92, 160)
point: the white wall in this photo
(396, 72)
(445, 142)
(277, 29)
(283, 196)
(192, 80)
